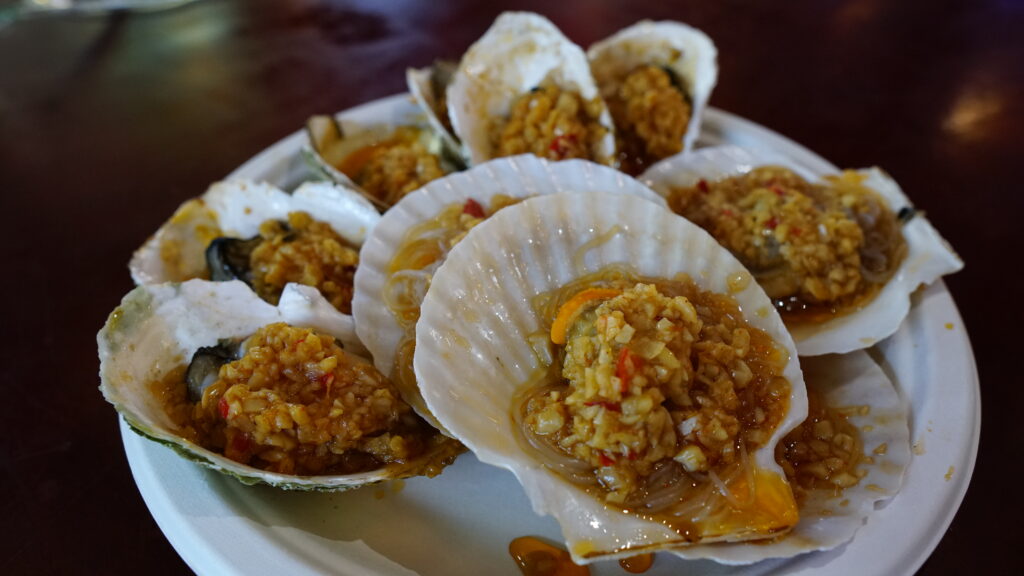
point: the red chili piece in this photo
(560, 145)
(771, 223)
(327, 379)
(778, 191)
(605, 460)
(222, 407)
(241, 442)
(728, 212)
(627, 365)
(702, 185)
(474, 209)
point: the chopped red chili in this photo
(241, 442)
(222, 407)
(772, 223)
(778, 191)
(702, 185)
(728, 212)
(627, 364)
(327, 379)
(605, 459)
(473, 208)
(560, 145)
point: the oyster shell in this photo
(378, 324)
(428, 87)
(340, 154)
(518, 53)
(684, 52)
(477, 347)
(236, 208)
(928, 257)
(158, 328)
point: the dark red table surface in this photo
(108, 123)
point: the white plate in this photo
(463, 521)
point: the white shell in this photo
(422, 90)
(515, 176)
(158, 328)
(236, 208)
(929, 256)
(474, 336)
(826, 520)
(519, 52)
(687, 51)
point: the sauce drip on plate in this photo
(537, 558)
(637, 564)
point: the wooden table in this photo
(108, 123)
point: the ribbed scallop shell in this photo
(928, 258)
(516, 176)
(856, 384)
(236, 208)
(474, 337)
(519, 52)
(158, 328)
(686, 51)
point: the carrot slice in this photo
(569, 311)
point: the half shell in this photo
(377, 323)
(688, 53)
(157, 329)
(339, 151)
(518, 53)
(475, 341)
(428, 87)
(236, 208)
(928, 258)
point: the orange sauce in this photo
(637, 564)
(353, 164)
(537, 558)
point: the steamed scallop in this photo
(839, 254)
(656, 78)
(265, 236)
(848, 456)
(525, 88)
(262, 393)
(382, 162)
(414, 237)
(623, 366)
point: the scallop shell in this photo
(236, 208)
(157, 328)
(474, 349)
(519, 52)
(516, 176)
(928, 258)
(855, 382)
(686, 51)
